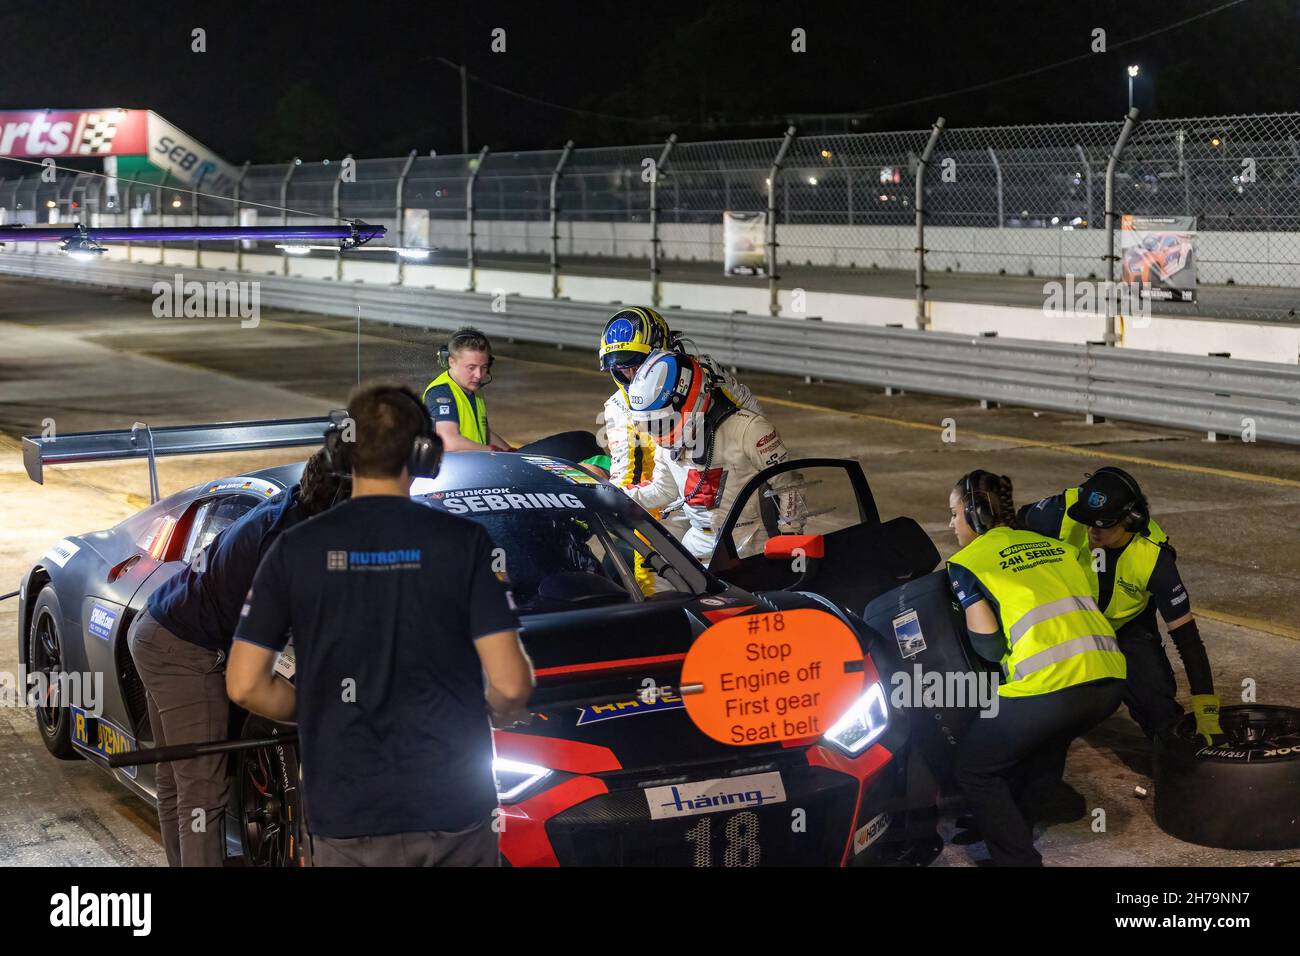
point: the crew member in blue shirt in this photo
(405, 642)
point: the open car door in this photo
(812, 525)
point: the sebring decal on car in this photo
(62, 552)
(101, 622)
(499, 499)
(711, 796)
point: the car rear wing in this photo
(141, 441)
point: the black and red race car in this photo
(610, 770)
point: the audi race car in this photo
(604, 773)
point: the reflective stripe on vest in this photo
(1131, 593)
(471, 412)
(1057, 636)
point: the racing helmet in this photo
(668, 396)
(630, 336)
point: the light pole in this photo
(1132, 72)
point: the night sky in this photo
(329, 78)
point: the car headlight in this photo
(515, 778)
(862, 723)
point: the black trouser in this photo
(572, 446)
(1151, 686)
(1025, 745)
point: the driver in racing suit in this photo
(708, 448)
(629, 337)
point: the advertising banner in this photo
(35, 134)
(744, 235)
(1158, 252)
(188, 160)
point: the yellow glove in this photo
(1206, 709)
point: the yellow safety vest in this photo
(470, 409)
(1056, 635)
(1137, 562)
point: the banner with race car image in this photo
(744, 235)
(1159, 253)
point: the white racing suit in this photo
(632, 452)
(743, 444)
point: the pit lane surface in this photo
(93, 360)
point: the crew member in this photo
(180, 642)
(458, 410)
(460, 415)
(1030, 604)
(1108, 516)
(401, 630)
(708, 449)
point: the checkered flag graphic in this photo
(97, 136)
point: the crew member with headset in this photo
(460, 414)
(180, 642)
(1030, 604)
(458, 411)
(1108, 516)
(405, 642)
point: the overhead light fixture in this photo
(411, 253)
(297, 249)
(1133, 71)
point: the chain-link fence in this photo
(1021, 201)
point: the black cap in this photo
(1104, 499)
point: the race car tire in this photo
(1238, 796)
(45, 655)
(268, 799)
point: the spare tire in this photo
(1241, 795)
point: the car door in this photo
(836, 546)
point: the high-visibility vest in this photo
(470, 409)
(1056, 635)
(1133, 570)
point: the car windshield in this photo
(556, 560)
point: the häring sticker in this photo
(783, 675)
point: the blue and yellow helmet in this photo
(629, 337)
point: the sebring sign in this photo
(37, 134)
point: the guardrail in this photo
(1216, 396)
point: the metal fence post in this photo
(656, 291)
(338, 214)
(162, 184)
(1087, 180)
(239, 246)
(126, 204)
(555, 219)
(922, 162)
(997, 171)
(773, 281)
(1130, 120)
(284, 209)
(471, 261)
(400, 214)
(194, 217)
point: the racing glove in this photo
(1206, 709)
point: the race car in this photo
(605, 773)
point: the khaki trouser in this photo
(185, 686)
(476, 846)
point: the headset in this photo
(1137, 513)
(979, 514)
(422, 461)
(464, 335)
